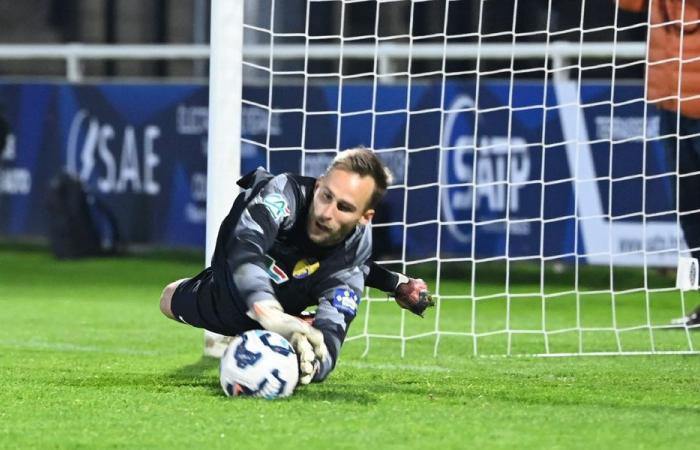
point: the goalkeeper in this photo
(290, 242)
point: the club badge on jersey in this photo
(305, 267)
(346, 301)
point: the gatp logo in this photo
(496, 165)
(116, 158)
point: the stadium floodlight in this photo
(532, 188)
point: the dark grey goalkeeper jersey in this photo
(263, 251)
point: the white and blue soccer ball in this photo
(259, 363)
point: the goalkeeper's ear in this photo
(367, 216)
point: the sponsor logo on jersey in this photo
(274, 271)
(346, 301)
(304, 267)
(277, 205)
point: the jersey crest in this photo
(277, 205)
(305, 267)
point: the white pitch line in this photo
(385, 366)
(68, 347)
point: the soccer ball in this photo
(259, 363)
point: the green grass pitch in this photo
(87, 361)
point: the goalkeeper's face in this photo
(341, 200)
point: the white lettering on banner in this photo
(514, 228)
(9, 153)
(496, 189)
(491, 180)
(655, 243)
(135, 170)
(198, 186)
(195, 209)
(601, 237)
(129, 163)
(195, 214)
(254, 121)
(316, 163)
(249, 150)
(151, 159)
(626, 127)
(15, 181)
(192, 120)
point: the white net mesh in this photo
(533, 191)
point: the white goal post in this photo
(223, 146)
(533, 189)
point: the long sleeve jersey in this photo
(263, 252)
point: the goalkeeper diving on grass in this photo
(291, 242)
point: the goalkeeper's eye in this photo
(345, 207)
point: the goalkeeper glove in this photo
(270, 315)
(308, 364)
(412, 294)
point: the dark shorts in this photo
(198, 302)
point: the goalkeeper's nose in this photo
(325, 214)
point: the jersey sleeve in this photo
(271, 210)
(339, 299)
(380, 278)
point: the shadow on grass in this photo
(200, 375)
(196, 374)
(196, 369)
(335, 392)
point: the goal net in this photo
(532, 191)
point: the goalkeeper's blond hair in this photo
(364, 162)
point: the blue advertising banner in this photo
(481, 170)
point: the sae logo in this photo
(496, 165)
(116, 159)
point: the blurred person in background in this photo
(673, 86)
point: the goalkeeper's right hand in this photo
(412, 294)
(271, 316)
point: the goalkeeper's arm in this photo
(338, 301)
(409, 293)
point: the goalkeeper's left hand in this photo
(412, 294)
(308, 364)
(271, 316)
